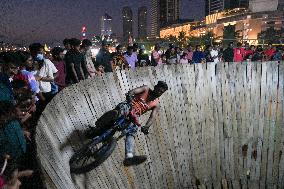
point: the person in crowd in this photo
(207, 54)
(238, 53)
(9, 69)
(163, 60)
(135, 48)
(278, 54)
(100, 70)
(46, 73)
(269, 52)
(75, 63)
(172, 56)
(143, 58)
(228, 53)
(178, 53)
(131, 57)
(258, 55)
(183, 59)
(86, 51)
(26, 71)
(118, 59)
(189, 53)
(10, 173)
(156, 56)
(58, 60)
(12, 136)
(169, 50)
(67, 45)
(248, 52)
(214, 52)
(198, 55)
(104, 57)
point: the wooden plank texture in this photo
(219, 126)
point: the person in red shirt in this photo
(238, 53)
(139, 101)
(269, 52)
(248, 51)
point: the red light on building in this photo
(84, 30)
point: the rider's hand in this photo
(145, 130)
(129, 97)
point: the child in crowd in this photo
(183, 59)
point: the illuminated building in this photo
(127, 18)
(163, 13)
(189, 28)
(142, 22)
(248, 24)
(106, 25)
(213, 6)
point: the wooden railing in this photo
(220, 125)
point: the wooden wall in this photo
(220, 125)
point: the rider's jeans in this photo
(131, 130)
(129, 140)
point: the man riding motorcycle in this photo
(138, 101)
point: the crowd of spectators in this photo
(29, 80)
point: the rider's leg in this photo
(130, 159)
(103, 123)
(129, 140)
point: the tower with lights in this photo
(84, 31)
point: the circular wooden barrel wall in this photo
(220, 126)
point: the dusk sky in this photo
(25, 21)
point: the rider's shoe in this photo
(135, 160)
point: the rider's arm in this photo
(152, 116)
(138, 90)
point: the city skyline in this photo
(58, 19)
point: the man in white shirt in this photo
(215, 54)
(46, 73)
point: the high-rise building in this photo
(106, 25)
(142, 22)
(154, 18)
(163, 12)
(264, 5)
(169, 11)
(213, 6)
(127, 23)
